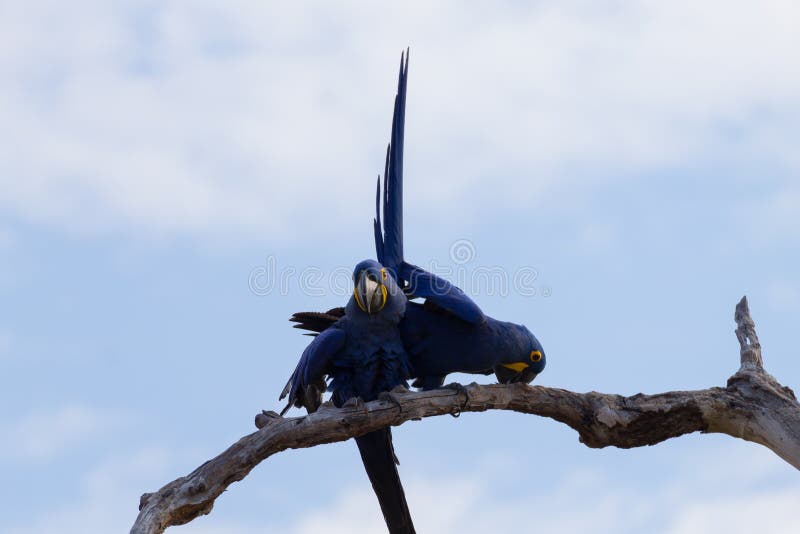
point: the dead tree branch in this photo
(753, 406)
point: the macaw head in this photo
(375, 289)
(524, 357)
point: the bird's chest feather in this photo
(372, 361)
(370, 342)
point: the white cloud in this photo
(105, 498)
(741, 501)
(771, 512)
(438, 505)
(207, 118)
(732, 487)
(44, 435)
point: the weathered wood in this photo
(753, 406)
(750, 352)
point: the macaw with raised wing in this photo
(448, 332)
(363, 355)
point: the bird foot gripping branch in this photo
(393, 396)
(354, 403)
(460, 389)
(266, 417)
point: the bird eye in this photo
(536, 356)
(383, 274)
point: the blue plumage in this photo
(382, 338)
(389, 244)
(449, 332)
(362, 352)
(437, 290)
(374, 359)
(363, 355)
(439, 343)
(389, 231)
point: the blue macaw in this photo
(363, 355)
(448, 332)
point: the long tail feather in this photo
(377, 454)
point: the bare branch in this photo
(753, 406)
(746, 334)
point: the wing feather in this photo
(310, 372)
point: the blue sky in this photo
(640, 157)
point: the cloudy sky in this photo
(177, 178)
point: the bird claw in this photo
(265, 418)
(455, 386)
(391, 396)
(354, 403)
(458, 388)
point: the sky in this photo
(177, 178)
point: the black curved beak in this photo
(369, 292)
(510, 374)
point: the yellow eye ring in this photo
(383, 274)
(536, 356)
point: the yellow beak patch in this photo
(518, 366)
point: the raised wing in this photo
(389, 231)
(389, 242)
(307, 383)
(427, 285)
